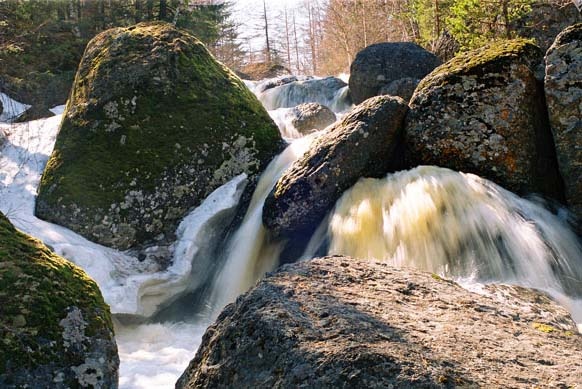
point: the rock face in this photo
(380, 64)
(154, 124)
(363, 144)
(341, 322)
(564, 99)
(403, 87)
(483, 112)
(311, 117)
(56, 329)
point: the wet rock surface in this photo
(340, 322)
(483, 112)
(56, 330)
(154, 124)
(364, 143)
(379, 64)
(310, 117)
(563, 87)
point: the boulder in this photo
(403, 87)
(564, 99)
(338, 322)
(379, 64)
(483, 112)
(277, 81)
(364, 144)
(261, 70)
(1, 107)
(56, 330)
(546, 20)
(310, 117)
(153, 125)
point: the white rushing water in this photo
(457, 225)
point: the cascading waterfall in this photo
(331, 92)
(250, 254)
(454, 224)
(457, 225)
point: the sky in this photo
(248, 12)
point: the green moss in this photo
(492, 58)
(37, 288)
(129, 122)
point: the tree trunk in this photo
(163, 14)
(268, 53)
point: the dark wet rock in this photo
(403, 87)
(153, 126)
(311, 117)
(379, 64)
(56, 330)
(563, 88)
(484, 112)
(364, 144)
(338, 322)
(33, 113)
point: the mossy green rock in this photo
(153, 125)
(55, 328)
(483, 112)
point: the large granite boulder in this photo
(310, 117)
(379, 64)
(564, 99)
(339, 322)
(56, 330)
(403, 87)
(153, 125)
(483, 112)
(364, 144)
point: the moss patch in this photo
(493, 58)
(37, 289)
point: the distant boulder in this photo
(564, 98)
(483, 112)
(275, 82)
(310, 117)
(261, 70)
(56, 330)
(340, 322)
(364, 144)
(379, 64)
(154, 125)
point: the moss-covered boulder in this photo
(153, 125)
(563, 88)
(55, 328)
(483, 112)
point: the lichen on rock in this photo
(56, 330)
(483, 112)
(151, 111)
(563, 89)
